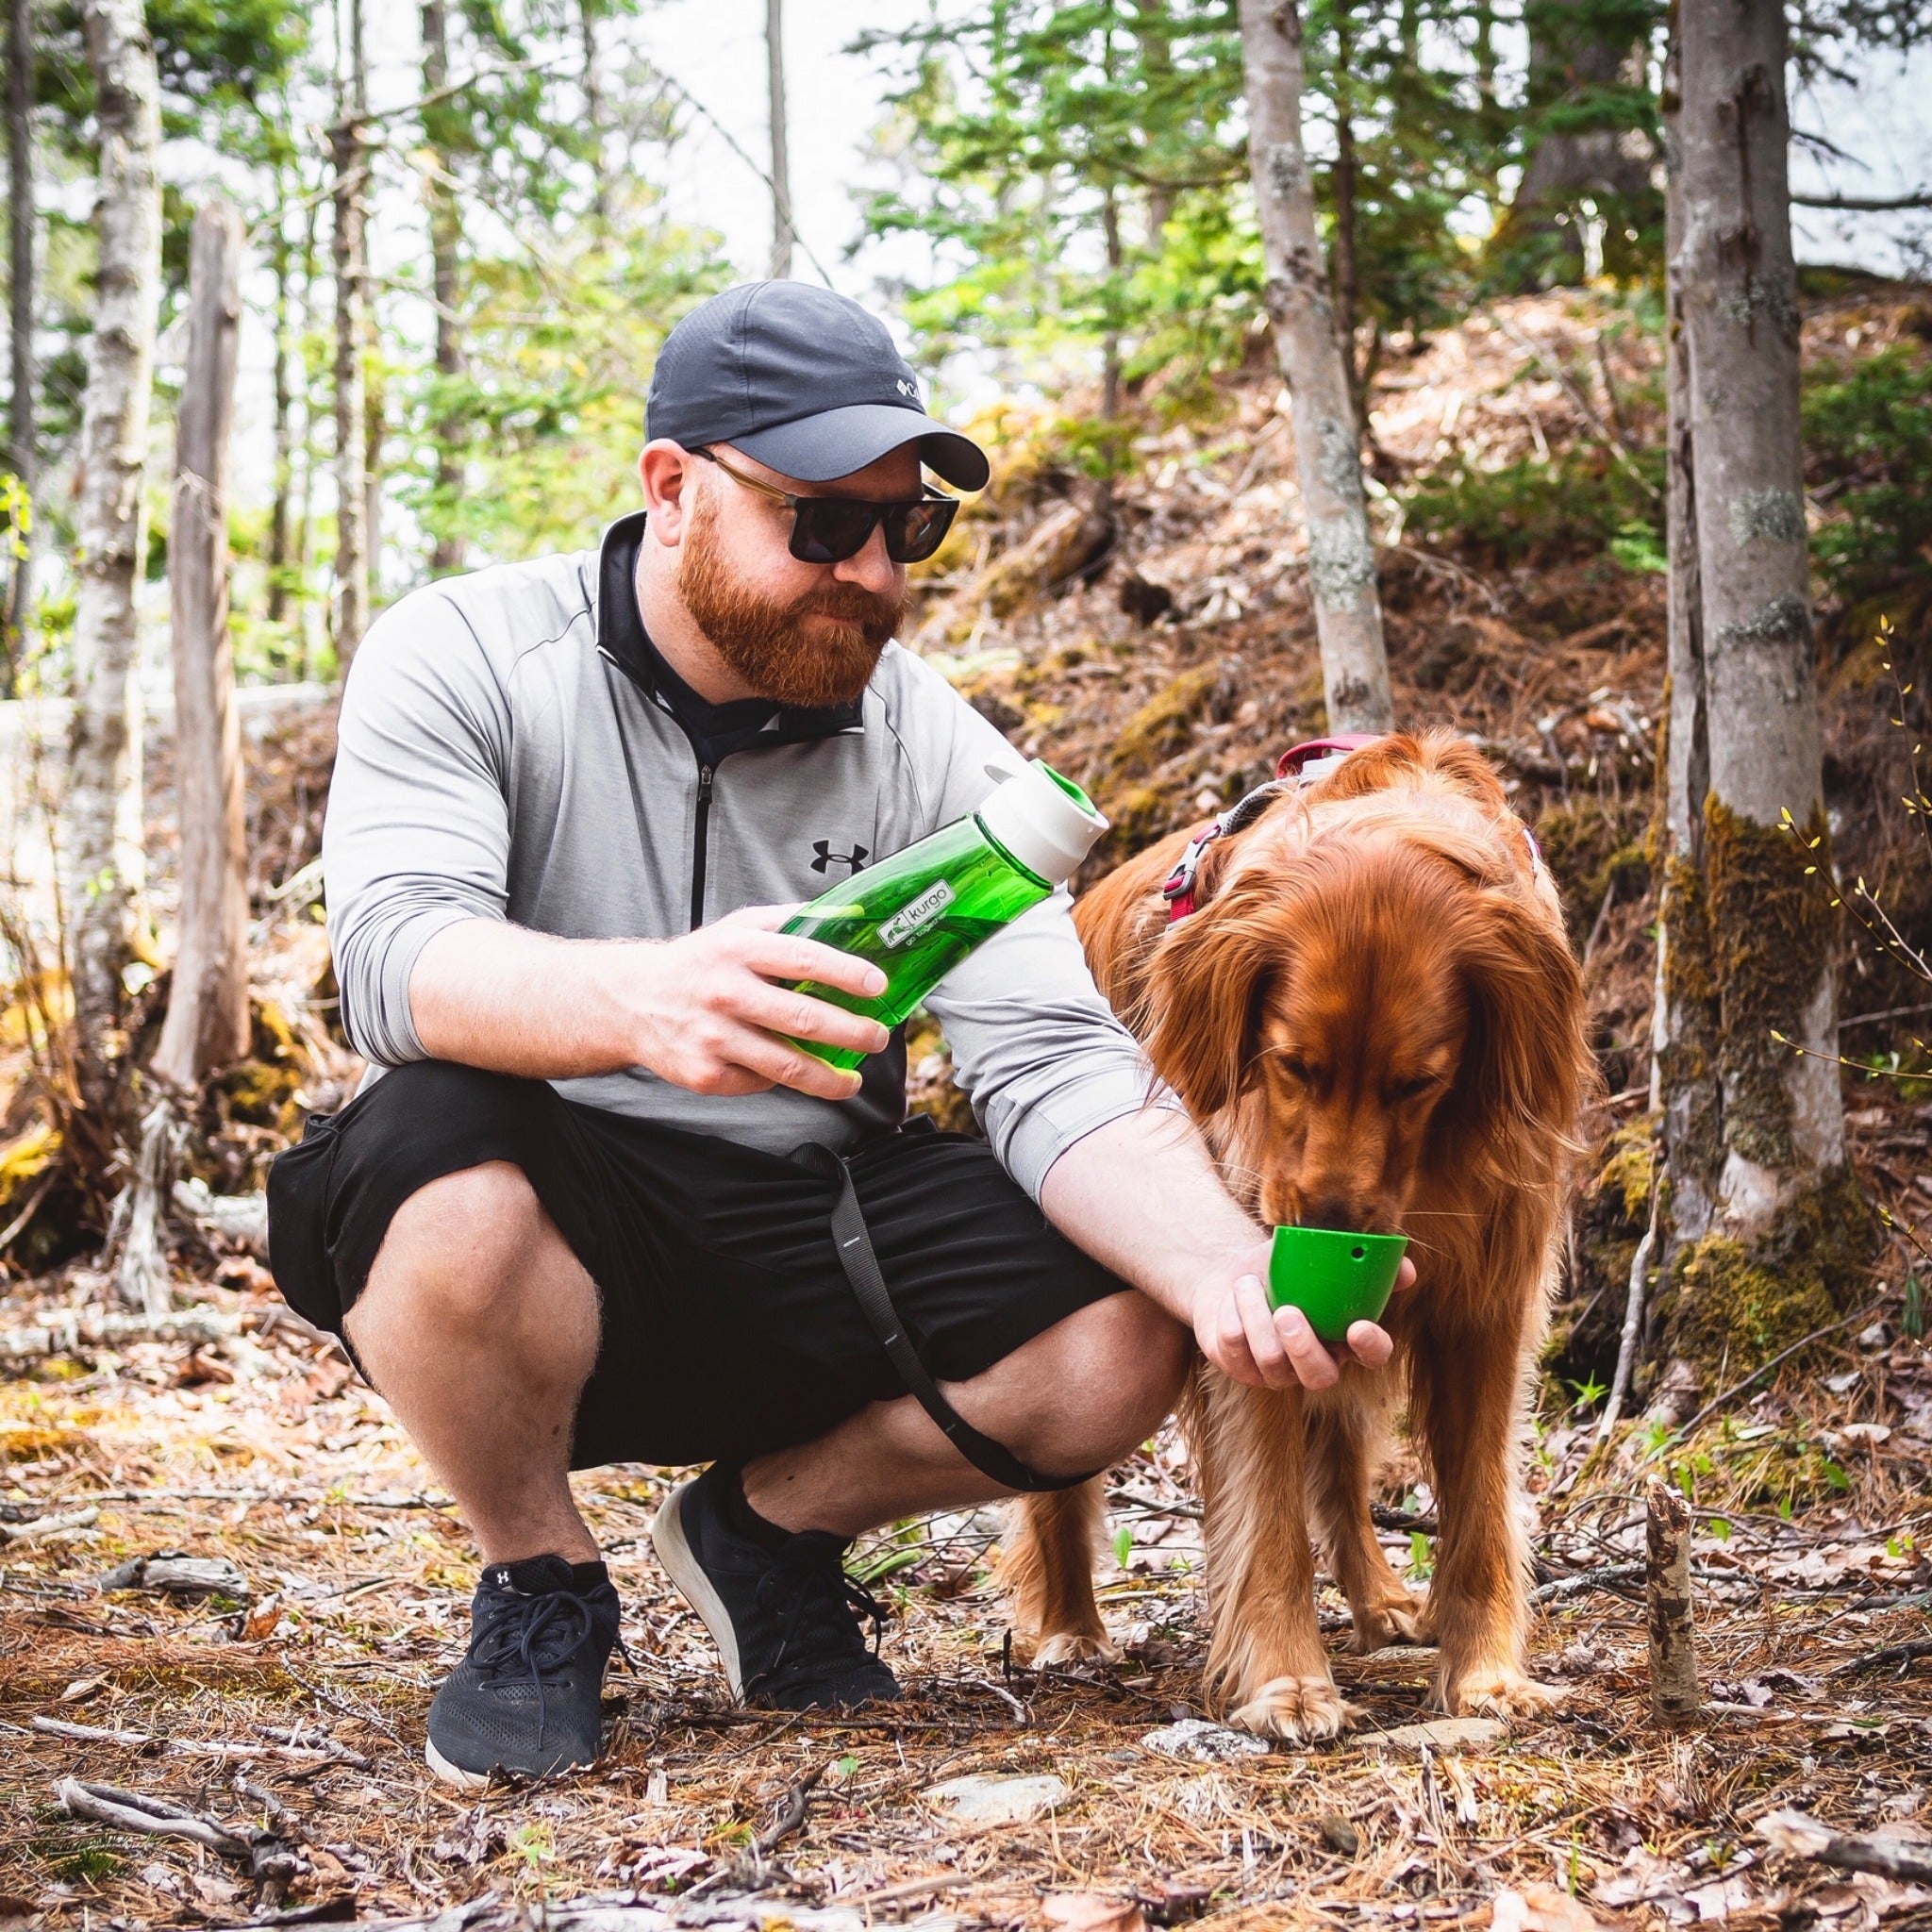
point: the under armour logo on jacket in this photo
(827, 858)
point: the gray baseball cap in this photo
(802, 379)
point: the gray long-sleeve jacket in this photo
(499, 759)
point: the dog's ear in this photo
(1527, 1065)
(1201, 1017)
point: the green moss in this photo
(1629, 1162)
(1593, 846)
(1771, 933)
(1731, 1308)
(1164, 723)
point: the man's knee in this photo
(1116, 1370)
(459, 1248)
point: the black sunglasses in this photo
(828, 529)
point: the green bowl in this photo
(1334, 1278)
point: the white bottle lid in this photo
(1044, 821)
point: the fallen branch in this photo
(1633, 1314)
(67, 1331)
(130, 1811)
(1716, 1402)
(789, 1815)
(329, 1753)
(1805, 1837)
(1881, 1660)
(49, 1526)
(235, 1217)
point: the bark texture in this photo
(22, 441)
(349, 161)
(102, 809)
(783, 234)
(1767, 1231)
(1667, 1586)
(206, 1025)
(1342, 556)
(446, 552)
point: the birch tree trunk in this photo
(102, 807)
(1342, 557)
(1684, 1024)
(22, 443)
(206, 1025)
(1787, 1231)
(349, 161)
(782, 232)
(446, 552)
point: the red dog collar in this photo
(1179, 890)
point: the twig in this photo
(13, 1230)
(1602, 919)
(1633, 1318)
(1807, 1837)
(1667, 1584)
(906, 1888)
(335, 1704)
(789, 1815)
(1618, 452)
(1878, 1659)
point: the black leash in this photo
(861, 1266)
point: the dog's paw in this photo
(1378, 1625)
(1072, 1647)
(1302, 1710)
(1498, 1691)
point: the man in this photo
(569, 1225)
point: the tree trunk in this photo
(1787, 1230)
(782, 232)
(1684, 1024)
(593, 101)
(375, 429)
(208, 1009)
(446, 551)
(308, 611)
(102, 807)
(1571, 56)
(1153, 29)
(21, 443)
(279, 513)
(1344, 253)
(1342, 557)
(349, 159)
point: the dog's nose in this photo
(1331, 1210)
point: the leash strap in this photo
(862, 1265)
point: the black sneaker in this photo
(529, 1696)
(786, 1621)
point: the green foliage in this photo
(552, 400)
(1867, 431)
(1579, 504)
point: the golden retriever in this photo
(1375, 1019)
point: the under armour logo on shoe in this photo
(827, 858)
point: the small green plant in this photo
(1589, 1392)
(531, 1842)
(1123, 1546)
(1913, 1322)
(846, 1765)
(1720, 1528)
(1422, 1558)
(1901, 1545)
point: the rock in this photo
(1440, 1734)
(1193, 1738)
(999, 1800)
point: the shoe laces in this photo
(818, 1608)
(530, 1637)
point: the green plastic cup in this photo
(1334, 1278)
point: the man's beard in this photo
(765, 641)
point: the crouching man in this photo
(562, 1224)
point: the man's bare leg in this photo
(479, 1326)
(1073, 1399)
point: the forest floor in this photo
(288, 1695)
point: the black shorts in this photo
(729, 1327)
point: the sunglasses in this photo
(828, 529)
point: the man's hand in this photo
(1276, 1348)
(708, 1016)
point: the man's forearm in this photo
(1142, 1196)
(520, 1002)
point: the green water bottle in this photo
(917, 914)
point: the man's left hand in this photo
(1276, 1348)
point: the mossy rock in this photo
(261, 1090)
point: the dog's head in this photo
(1370, 993)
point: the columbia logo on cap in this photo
(907, 388)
